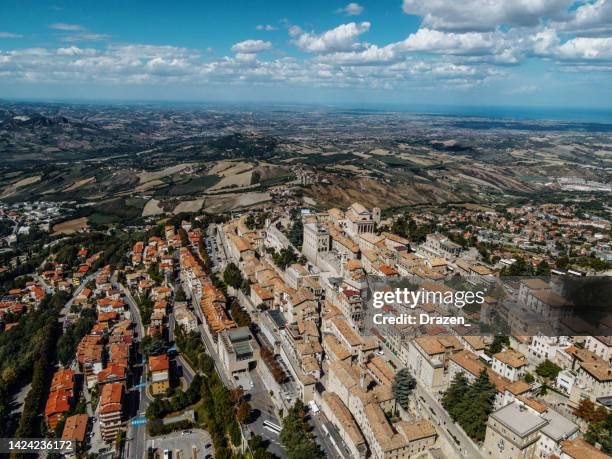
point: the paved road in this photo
(135, 445)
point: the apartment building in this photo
(593, 381)
(601, 346)
(111, 411)
(509, 364)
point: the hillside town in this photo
(209, 337)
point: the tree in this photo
(243, 412)
(548, 369)
(296, 233)
(152, 345)
(232, 276)
(250, 222)
(585, 410)
(529, 378)
(562, 262)
(601, 432)
(455, 393)
(470, 404)
(498, 344)
(284, 258)
(519, 268)
(543, 269)
(295, 435)
(236, 395)
(403, 387)
(180, 294)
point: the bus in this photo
(271, 426)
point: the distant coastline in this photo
(504, 113)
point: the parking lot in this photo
(181, 445)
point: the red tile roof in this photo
(159, 363)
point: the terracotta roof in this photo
(513, 358)
(63, 379)
(418, 430)
(75, 427)
(112, 372)
(110, 399)
(533, 404)
(601, 370)
(430, 345)
(580, 449)
(159, 363)
(58, 402)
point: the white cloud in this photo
(75, 51)
(342, 38)
(583, 48)
(10, 35)
(428, 40)
(251, 46)
(266, 27)
(66, 27)
(590, 18)
(544, 42)
(352, 9)
(481, 15)
(372, 55)
(295, 30)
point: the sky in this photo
(548, 53)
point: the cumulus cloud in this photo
(464, 44)
(162, 65)
(428, 40)
(590, 18)
(251, 46)
(352, 9)
(585, 48)
(342, 38)
(479, 15)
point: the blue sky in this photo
(449, 52)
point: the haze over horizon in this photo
(553, 53)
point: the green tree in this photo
(548, 369)
(601, 432)
(543, 269)
(498, 344)
(470, 404)
(455, 394)
(296, 437)
(403, 387)
(152, 345)
(519, 268)
(562, 262)
(232, 276)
